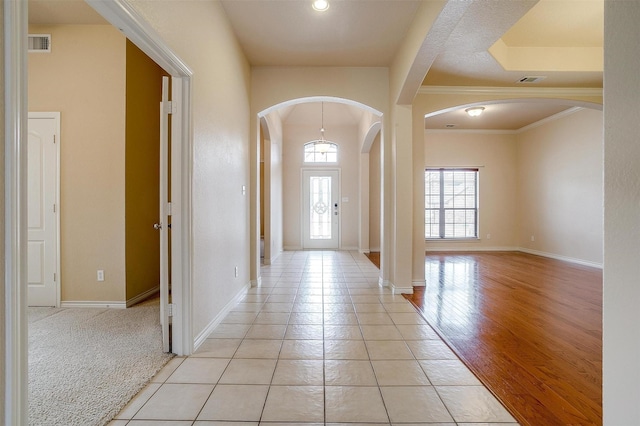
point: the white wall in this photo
(495, 155)
(560, 188)
(346, 136)
(273, 183)
(621, 316)
(220, 108)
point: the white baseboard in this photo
(419, 283)
(364, 251)
(272, 259)
(293, 248)
(397, 290)
(202, 336)
(93, 304)
(349, 248)
(256, 283)
(143, 296)
(560, 257)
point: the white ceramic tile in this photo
(430, 349)
(449, 373)
(299, 372)
(374, 318)
(249, 372)
(414, 404)
(399, 373)
(294, 403)
(406, 318)
(229, 331)
(168, 369)
(277, 307)
(417, 332)
(342, 332)
(369, 307)
(301, 349)
(239, 318)
(266, 331)
(380, 332)
(307, 307)
(273, 318)
(338, 307)
(340, 318)
(175, 402)
(218, 348)
(349, 373)
(235, 403)
(473, 404)
(345, 349)
(306, 318)
(388, 349)
(157, 423)
(354, 404)
(199, 370)
(259, 348)
(138, 401)
(218, 423)
(304, 332)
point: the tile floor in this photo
(319, 342)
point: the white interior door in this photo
(165, 211)
(42, 196)
(321, 209)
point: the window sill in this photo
(452, 240)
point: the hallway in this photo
(318, 342)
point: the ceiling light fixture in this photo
(474, 111)
(320, 5)
(322, 146)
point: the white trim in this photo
(545, 91)
(364, 251)
(374, 249)
(15, 29)
(553, 117)
(142, 296)
(256, 283)
(472, 131)
(419, 283)
(126, 18)
(56, 116)
(293, 248)
(200, 338)
(349, 248)
(563, 258)
(396, 290)
(269, 261)
(93, 304)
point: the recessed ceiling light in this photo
(320, 5)
(474, 111)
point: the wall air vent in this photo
(531, 79)
(40, 43)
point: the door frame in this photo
(303, 170)
(15, 29)
(55, 116)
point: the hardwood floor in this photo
(374, 257)
(529, 327)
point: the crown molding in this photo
(486, 90)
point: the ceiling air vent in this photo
(40, 43)
(531, 79)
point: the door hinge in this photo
(54, 208)
(168, 209)
(170, 309)
(54, 138)
(54, 277)
(167, 107)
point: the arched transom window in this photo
(320, 151)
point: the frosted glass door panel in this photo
(320, 209)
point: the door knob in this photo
(157, 226)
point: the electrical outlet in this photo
(100, 275)
(488, 236)
(236, 272)
(533, 238)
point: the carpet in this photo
(86, 364)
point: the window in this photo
(451, 203)
(320, 152)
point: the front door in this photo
(42, 210)
(320, 209)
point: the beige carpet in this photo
(86, 364)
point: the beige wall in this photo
(142, 172)
(621, 316)
(84, 78)
(374, 195)
(495, 155)
(295, 136)
(560, 188)
(220, 111)
(273, 196)
(3, 347)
